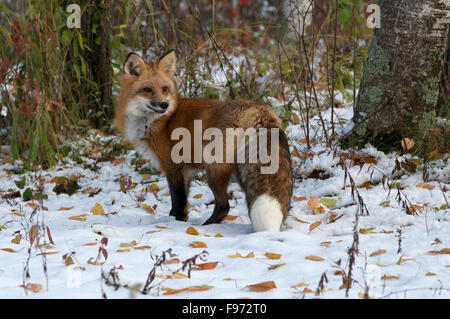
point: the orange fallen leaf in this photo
(366, 184)
(91, 244)
(198, 244)
(78, 218)
(192, 231)
(207, 266)
(8, 250)
(34, 287)
(142, 247)
(443, 251)
(65, 208)
(314, 258)
(262, 287)
(299, 199)
(429, 274)
(230, 217)
(171, 261)
(387, 277)
(272, 255)
(313, 203)
(126, 250)
(238, 255)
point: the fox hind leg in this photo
(218, 178)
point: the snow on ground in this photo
(399, 255)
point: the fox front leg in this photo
(178, 195)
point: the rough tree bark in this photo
(400, 84)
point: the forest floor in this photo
(359, 214)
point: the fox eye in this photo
(148, 90)
(165, 89)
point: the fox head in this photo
(147, 90)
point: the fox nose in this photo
(164, 105)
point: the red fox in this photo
(148, 112)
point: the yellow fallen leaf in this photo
(97, 209)
(78, 218)
(378, 252)
(272, 255)
(238, 255)
(198, 196)
(17, 239)
(131, 244)
(191, 231)
(147, 208)
(425, 186)
(314, 226)
(314, 258)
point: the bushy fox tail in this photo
(268, 195)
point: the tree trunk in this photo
(96, 28)
(400, 84)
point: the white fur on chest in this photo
(136, 129)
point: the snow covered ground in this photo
(403, 243)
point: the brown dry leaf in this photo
(366, 184)
(314, 258)
(162, 227)
(367, 230)
(314, 226)
(198, 244)
(425, 186)
(171, 261)
(17, 239)
(407, 144)
(272, 267)
(320, 210)
(378, 252)
(272, 255)
(207, 266)
(32, 205)
(192, 231)
(65, 208)
(325, 243)
(443, 251)
(34, 232)
(142, 247)
(300, 285)
(387, 277)
(118, 161)
(48, 253)
(295, 119)
(430, 274)
(126, 250)
(437, 241)
(78, 218)
(299, 199)
(97, 209)
(262, 287)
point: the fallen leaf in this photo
(171, 261)
(34, 232)
(262, 287)
(387, 277)
(65, 208)
(230, 217)
(34, 287)
(325, 243)
(328, 202)
(425, 186)
(78, 218)
(272, 255)
(198, 196)
(91, 244)
(207, 266)
(300, 285)
(48, 253)
(378, 252)
(238, 255)
(198, 244)
(314, 258)
(126, 250)
(407, 144)
(130, 244)
(443, 251)
(147, 208)
(429, 274)
(299, 199)
(191, 231)
(366, 184)
(314, 226)
(272, 267)
(142, 247)
(313, 203)
(97, 209)
(8, 250)
(367, 230)
(17, 239)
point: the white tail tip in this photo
(266, 214)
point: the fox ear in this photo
(134, 64)
(167, 63)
